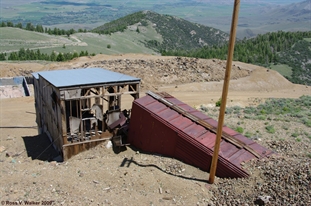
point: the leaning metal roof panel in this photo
(162, 124)
(88, 76)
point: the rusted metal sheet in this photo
(162, 124)
(120, 122)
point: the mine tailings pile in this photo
(164, 125)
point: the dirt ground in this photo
(102, 176)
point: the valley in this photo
(255, 18)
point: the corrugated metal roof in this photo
(88, 76)
(158, 128)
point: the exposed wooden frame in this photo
(76, 101)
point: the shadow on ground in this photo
(40, 147)
(127, 162)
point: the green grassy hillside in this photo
(141, 32)
(129, 41)
(176, 33)
(12, 39)
(283, 69)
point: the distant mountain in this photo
(176, 33)
(290, 17)
(280, 2)
(255, 16)
(296, 11)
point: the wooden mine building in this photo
(75, 107)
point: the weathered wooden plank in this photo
(64, 122)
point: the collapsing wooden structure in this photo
(76, 107)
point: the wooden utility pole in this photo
(234, 24)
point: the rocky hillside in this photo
(156, 72)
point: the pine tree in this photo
(2, 57)
(10, 24)
(82, 54)
(30, 27)
(19, 25)
(13, 56)
(60, 57)
(3, 24)
(53, 56)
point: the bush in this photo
(144, 23)
(295, 134)
(270, 129)
(239, 130)
(261, 117)
(277, 119)
(203, 108)
(285, 127)
(248, 134)
(218, 103)
(236, 108)
(248, 117)
(108, 46)
(249, 110)
(229, 110)
(306, 121)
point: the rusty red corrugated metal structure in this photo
(162, 124)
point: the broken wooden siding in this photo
(38, 105)
(72, 113)
(51, 112)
